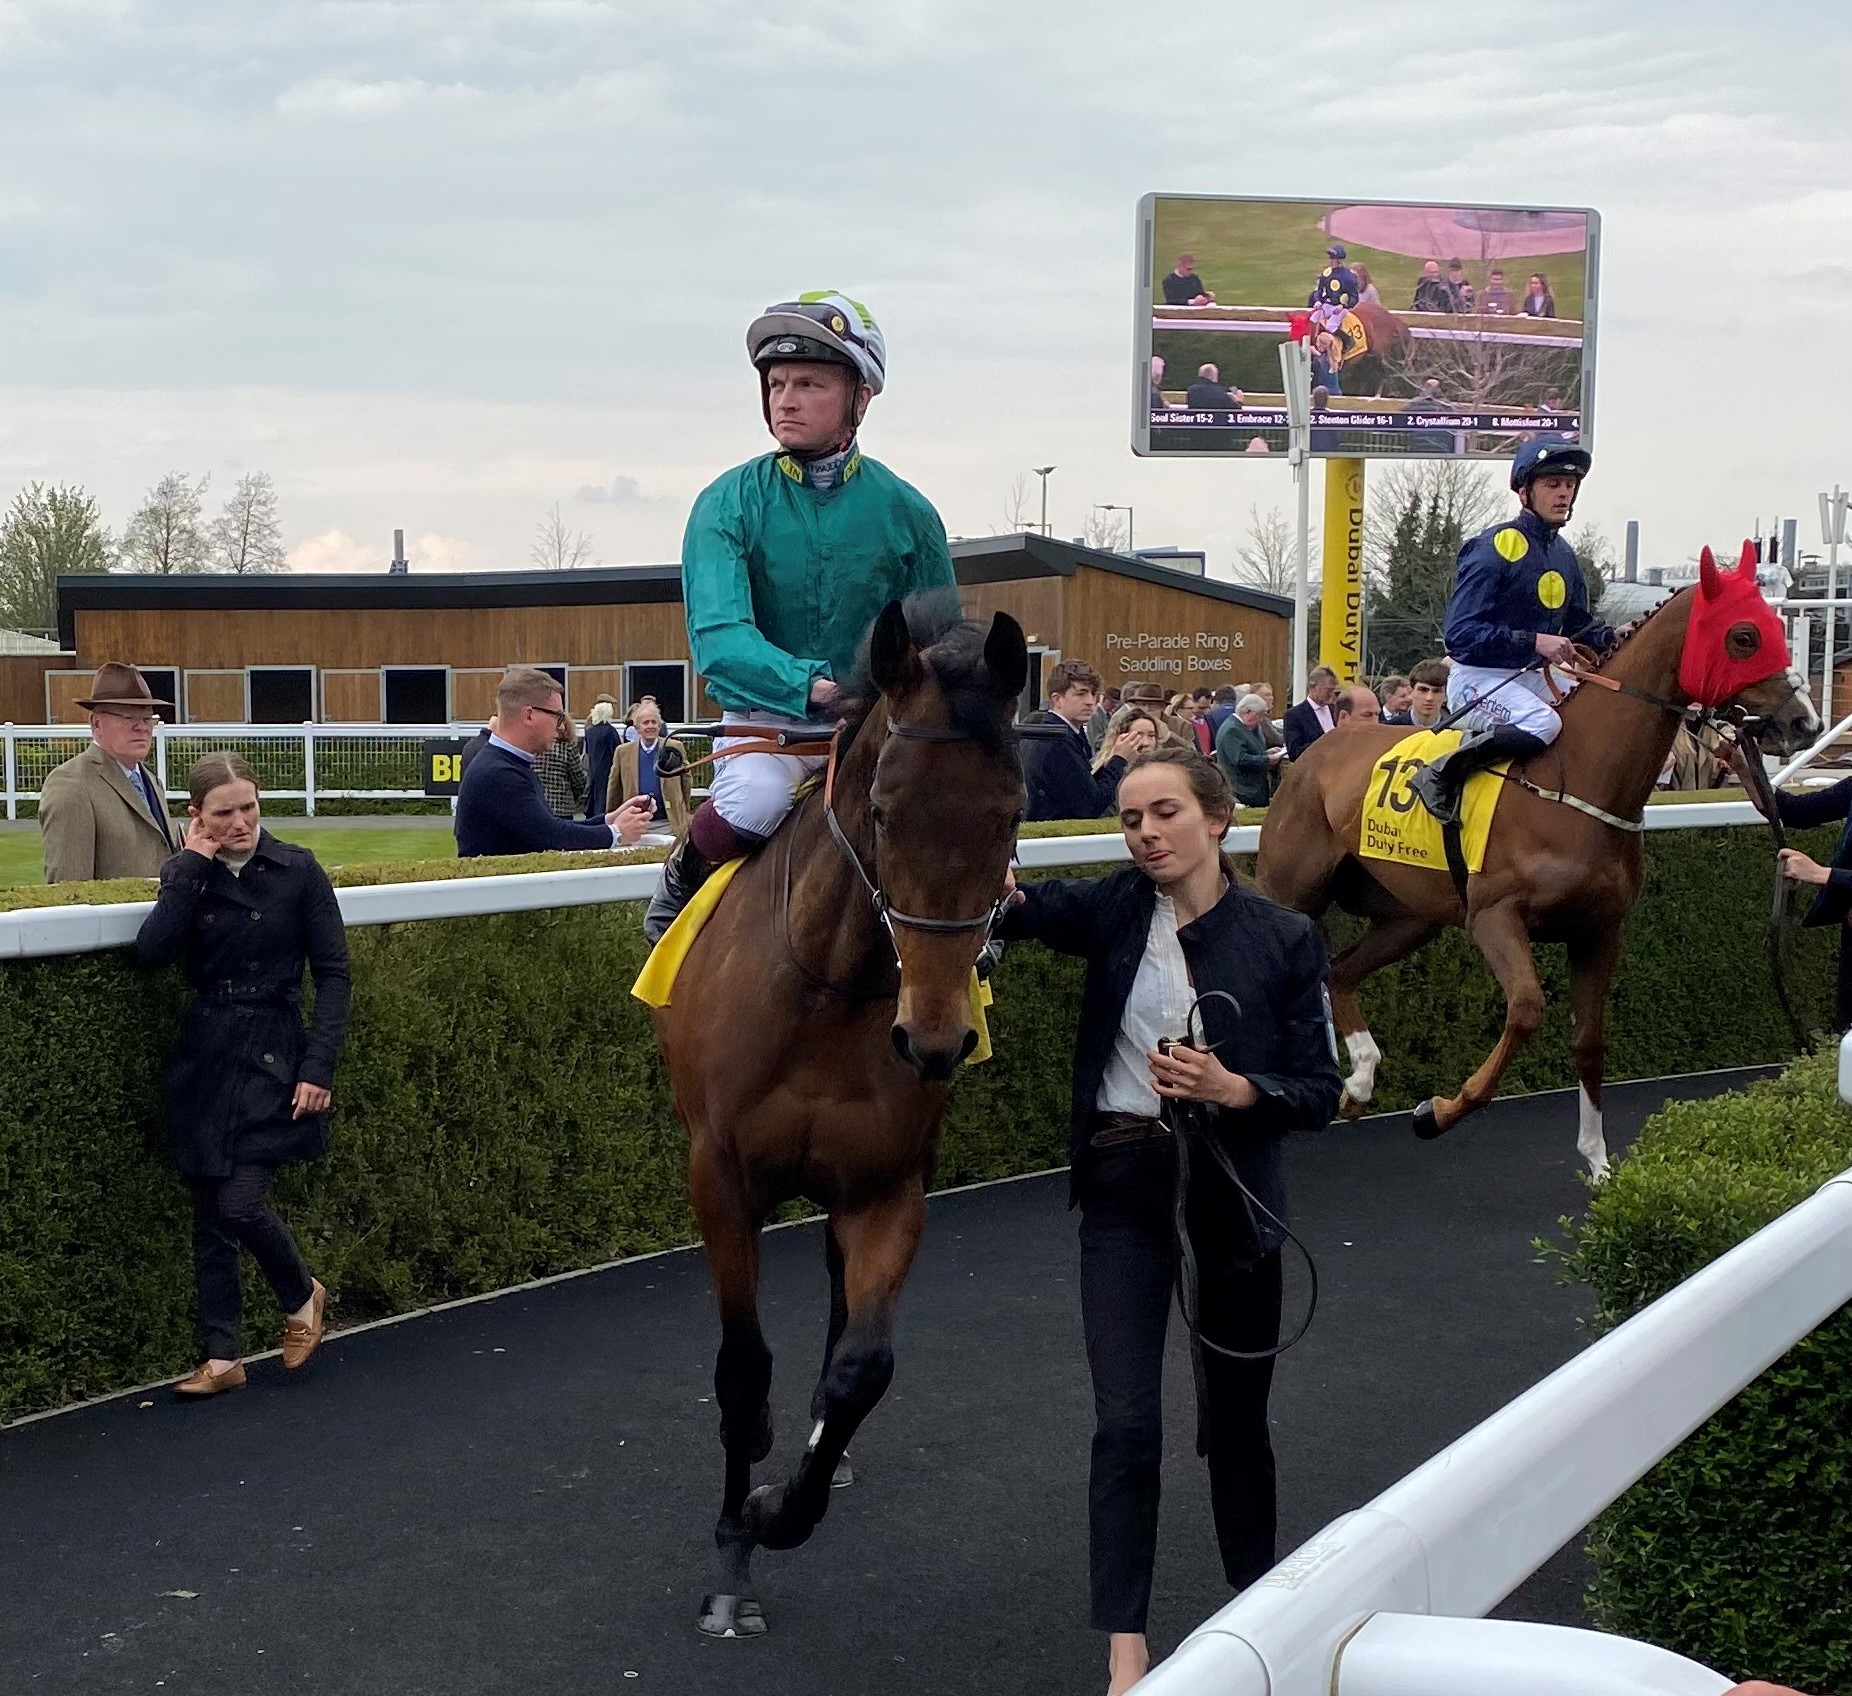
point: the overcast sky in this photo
(442, 265)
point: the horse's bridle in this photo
(885, 910)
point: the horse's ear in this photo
(1006, 657)
(892, 662)
(1748, 561)
(1710, 583)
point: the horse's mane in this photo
(953, 649)
(1643, 620)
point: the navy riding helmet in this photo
(1549, 454)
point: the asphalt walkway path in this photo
(517, 1495)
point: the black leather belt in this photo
(1114, 1130)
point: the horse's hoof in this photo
(843, 1476)
(1350, 1107)
(1427, 1122)
(731, 1616)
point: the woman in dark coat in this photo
(1155, 938)
(248, 1089)
(601, 741)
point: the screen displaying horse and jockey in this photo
(1434, 331)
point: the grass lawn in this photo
(1267, 253)
(22, 862)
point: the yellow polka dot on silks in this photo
(1511, 543)
(1551, 589)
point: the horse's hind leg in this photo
(742, 1380)
(1591, 971)
(878, 1244)
(1386, 941)
(839, 1317)
(1504, 940)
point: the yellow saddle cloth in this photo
(1395, 824)
(657, 979)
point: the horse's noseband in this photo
(885, 910)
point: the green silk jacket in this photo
(782, 580)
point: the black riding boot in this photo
(682, 874)
(1441, 785)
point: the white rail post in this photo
(161, 728)
(12, 774)
(308, 767)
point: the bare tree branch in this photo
(1268, 559)
(165, 535)
(557, 546)
(246, 536)
(1105, 531)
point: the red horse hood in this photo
(1708, 672)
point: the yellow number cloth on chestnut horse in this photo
(1395, 824)
(657, 979)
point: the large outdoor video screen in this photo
(1435, 331)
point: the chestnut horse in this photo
(816, 1025)
(1552, 871)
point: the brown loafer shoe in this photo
(205, 1382)
(299, 1340)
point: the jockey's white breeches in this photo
(752, 792)
(1523, 701)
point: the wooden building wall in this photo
(22, 685)
(336, 640)
(1137, 632)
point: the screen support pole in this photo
(1296, 381)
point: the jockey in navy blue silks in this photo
(1335, 290)
(1518, 596)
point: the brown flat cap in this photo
(1147, 692)
(118, 684)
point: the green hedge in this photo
(501, 1115)
(1737, 1548)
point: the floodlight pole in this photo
(1833, 532)
(1042, 472)
(1296, 380)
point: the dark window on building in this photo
(281, 694)
(557, 673)
(417, 694)
(163, 685)
(1032, 687)
(667, 680)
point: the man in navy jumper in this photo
(1058, 771)
(500, 809)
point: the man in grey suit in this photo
(102, 814)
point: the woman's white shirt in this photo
(1158, 1006)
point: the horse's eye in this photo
(1741, 641)
(878, 816)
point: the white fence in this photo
(39, 931)
(310, 763)
(1386, 1600)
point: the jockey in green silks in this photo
(786, 562)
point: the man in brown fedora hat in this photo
(102, 814)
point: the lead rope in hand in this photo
(1188, 1121)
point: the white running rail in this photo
(36, 932)
(1387, 1601)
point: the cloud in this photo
(620, 491)
(343, 97)
(334, 550)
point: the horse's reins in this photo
(754, 739)
(1190, 1122)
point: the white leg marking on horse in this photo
(816, 1436)
(1365, 1057)
(1589, 1141)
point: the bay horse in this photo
(814, 1030)
(1554, 871)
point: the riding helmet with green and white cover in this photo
(826, 326)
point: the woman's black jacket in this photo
(1270, 959)
(231, 1080)
(1817, 807)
